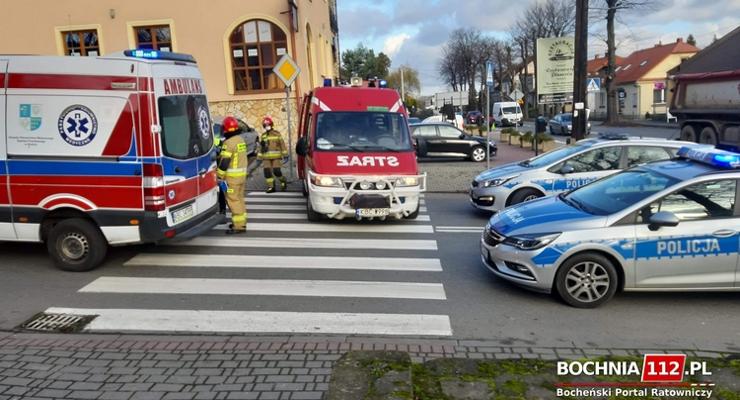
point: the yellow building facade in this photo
(235, 42)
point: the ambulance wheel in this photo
(76, 245)
(313, 216)
(586, 280)
(523, 195)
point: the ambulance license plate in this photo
(373, 212)
(183, 214)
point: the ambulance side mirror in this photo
(301, 147)
(661, 219)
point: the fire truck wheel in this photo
(304, 189)
(313, 216)
(76, 245)
(414, 214)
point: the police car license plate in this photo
(183, 214)
(373, 212)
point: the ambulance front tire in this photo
(586, 280)
(76, 245)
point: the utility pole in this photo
(403, 87)
(579, 70)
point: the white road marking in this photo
(309, 243)
(286, 262)
(142, 320)
(290, 207)
(285, 200)
(329, 227)
(285, 194)
(301, 216)
(267, 287)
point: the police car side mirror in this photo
(661, 219)
(567, 169)
(301, 148)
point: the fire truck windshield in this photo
(362, 131)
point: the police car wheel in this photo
(478, 154)
(523, 195)
(586, 280)
(76, 245)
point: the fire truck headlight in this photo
(407, 181)
(327, 181)
(365, 185)
(380, 185)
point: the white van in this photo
(507, 113)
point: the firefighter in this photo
(232, 170)
(272, 151)
(221, 184)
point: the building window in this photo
(155, 37)
(658, 96)
(81, 43)
(256, 46)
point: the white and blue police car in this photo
(665, 226)
(565, 169)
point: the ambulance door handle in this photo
(723, 233)
(202, 171)
(178, 170)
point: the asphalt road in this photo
(422, 278)
(636, 130)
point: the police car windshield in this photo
(362, 132)
(617, 192)
(551, 157)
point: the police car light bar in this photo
(158, 55)
(712, 156)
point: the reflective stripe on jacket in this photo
(232, 161)
(272, 146)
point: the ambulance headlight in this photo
(531, 242)
(498, 181)
(380, 185)
(327, 181)
(407, 181)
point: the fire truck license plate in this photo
(373, 212)
(183, 214)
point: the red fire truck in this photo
(355, 155)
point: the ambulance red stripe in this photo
(119, 142)
(79, 180)
(103, 197)
(64, 81)
(67, 201)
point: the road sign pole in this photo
(290, 133)
(488, 127)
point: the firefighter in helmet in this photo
(232, 170)
(272, 151)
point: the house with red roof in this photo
(642, 78)
(596, 68)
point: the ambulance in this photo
(100, 151)
(355, 155)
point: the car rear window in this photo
(186, 126)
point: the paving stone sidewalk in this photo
(80, 366)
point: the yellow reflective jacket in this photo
(232, 161)
(272, 146)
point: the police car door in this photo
(587, 167)
(6, 227)
(702, 250)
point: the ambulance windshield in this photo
(362, 132)
(186, 126)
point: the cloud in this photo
(393, 43)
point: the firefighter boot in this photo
(270, 185)
(283, 183)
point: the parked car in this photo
(251, 138)
(414, 120)
(507, 113)
(442, 140)
(562, 124)
(474, 117)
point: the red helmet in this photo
(230, 125)
(267, 121)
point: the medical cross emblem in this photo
(77, 125)
(204, 123)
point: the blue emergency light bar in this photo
(159, 55)
(712, 156)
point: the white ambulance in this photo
(99, 151)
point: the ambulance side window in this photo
(186, 130)
(706, 200)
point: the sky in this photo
(412, 32)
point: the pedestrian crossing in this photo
(285, 275)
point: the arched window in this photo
(256, 45)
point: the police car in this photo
(669, 226)
(565, 168)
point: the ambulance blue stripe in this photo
(84, 168)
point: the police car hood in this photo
(545, 215)
(501, 172)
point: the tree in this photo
(691, 40)
(412, 85)
(362, 61)
(462, 57)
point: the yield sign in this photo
(593, 85)
(286, 69)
